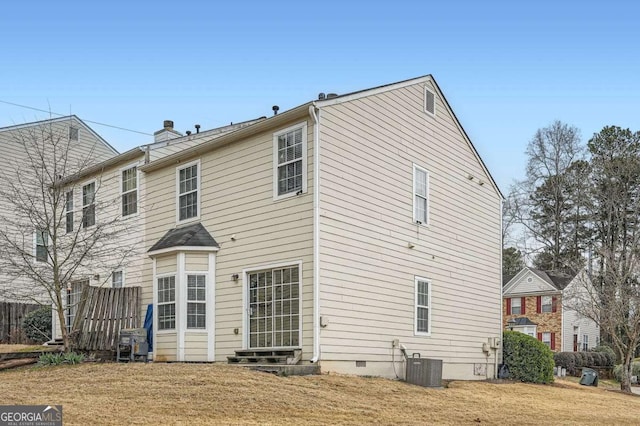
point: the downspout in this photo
(501, 345)
(315, 115)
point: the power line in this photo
(88, 121)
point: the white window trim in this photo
(124, 281)
(416, 306)
(585, 342)
(206, 301)
(157, 304)
(435, 108)
(95, 202)
(550, 337)
(542, 305)
(127, 167)
(413, 196)
(302, 126)
(245, 300)
(199, 191)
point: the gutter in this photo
(314, 112)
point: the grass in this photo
(5, 348)
(158, 393)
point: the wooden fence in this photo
(101, 314)
(11, 317)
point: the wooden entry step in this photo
(266, 356)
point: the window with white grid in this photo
(42, 242)
(167, 303)
(188, 184)
(89, 205)
(196, 301)
(423, 306)
(290, 161)
(130, 191)
(547, 303)
(420, 195)
(546, 338)
(585, 342)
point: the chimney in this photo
(166, 133)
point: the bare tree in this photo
(542, 203)
(46, 244)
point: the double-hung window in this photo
(89, 205)
(290, 161)
(422, 306)
(516, 305)
(130, 191)
(546, 339)
(167, 303)
(69, 211)
(188, 183)
(42, 241)
(420, 195)
(585, 342)
(547, 303)
(196, 301)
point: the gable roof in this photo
(556, 279)
(299, 110)
(61, 119)
(194, 235)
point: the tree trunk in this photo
(625, 383)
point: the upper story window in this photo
(130, 191)
(188, 184)
(89, 205)
(117, 279)
(547, 303)
(42, 242)
(290, 161)
(423, 306)
(516, 306)
(69, 212)
(420, 195)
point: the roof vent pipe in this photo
(197, 128)
(275, 109)
(188, 132)
(321, 96)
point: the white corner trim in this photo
(211, 309)
(154, 322)
(181, 311)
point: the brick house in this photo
(533, 300)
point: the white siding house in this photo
(346, 228)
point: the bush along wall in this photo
(575, 361)
(37, 325)
(528, 359)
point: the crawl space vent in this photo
(361, 363)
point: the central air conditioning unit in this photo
(424, 371)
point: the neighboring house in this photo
(118, 189)
(86, 147)
(345, 228)
(537, 301)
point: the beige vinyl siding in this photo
(195, 347)
(236, 199)
(369, 147)
(197, 262)
(165, 347)
(577, 288)
(166, 264)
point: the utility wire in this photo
(87, 121)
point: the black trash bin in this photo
(589, 377)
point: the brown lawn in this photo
(219, 394)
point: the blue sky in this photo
(507, 68)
